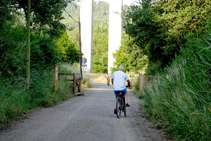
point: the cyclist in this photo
(118, 81)
(107, 77)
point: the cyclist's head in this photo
(121, 67)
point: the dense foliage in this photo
(50, 45)
(179, 101)
(159, 28)
(100, 49)
(130, 55)
(15, 98)
(49, 40)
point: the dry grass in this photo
(100, 77)
(97, 77)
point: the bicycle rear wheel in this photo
(125, 111)
(124, 107)
(118, 109)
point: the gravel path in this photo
(85, 118)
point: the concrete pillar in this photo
(115, 30)
(86, 15)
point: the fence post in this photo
(146, 80)
(74, 83)
(56, 78)
(141, 82)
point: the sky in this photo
(127, 2)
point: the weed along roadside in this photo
(16, 100)
(179, 101)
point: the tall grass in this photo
(180, 101)
(15, 98)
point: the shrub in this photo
(180, 99)
(16, 99)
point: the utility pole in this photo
(80, 56)
(79, 36)
(28, 43)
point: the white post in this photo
(86, 15)
(115, 30)
(83, 67)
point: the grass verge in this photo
(16, 99)
(180, 101)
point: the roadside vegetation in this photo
(86, 83)
(50, 46)
(16, 99)
(180, 100)
(172, 39)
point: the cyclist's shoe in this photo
(127, 105)
(115, 111)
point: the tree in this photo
(159, 28)
(100, 49)
(130, 55)
(49, 44)
(66, 50)
(146, 32)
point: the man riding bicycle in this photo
(108, 79)
(118, 81)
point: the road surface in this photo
(85, 118)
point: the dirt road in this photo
(85, 118)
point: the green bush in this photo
(15, 98)
(12, 48)
(86, 83)
(158, 29)
(180, 100)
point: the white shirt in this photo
(119, 78)
(107, 75)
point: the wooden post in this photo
(141, 82)
(146, 80)
(56, 78)
(80, 56)
(74, 83)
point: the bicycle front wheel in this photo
(118, 109)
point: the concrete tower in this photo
(115, 30)
(86, 15)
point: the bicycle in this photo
(120, 105)
(108, 81)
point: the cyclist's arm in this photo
(112, 81)
(128, 82)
